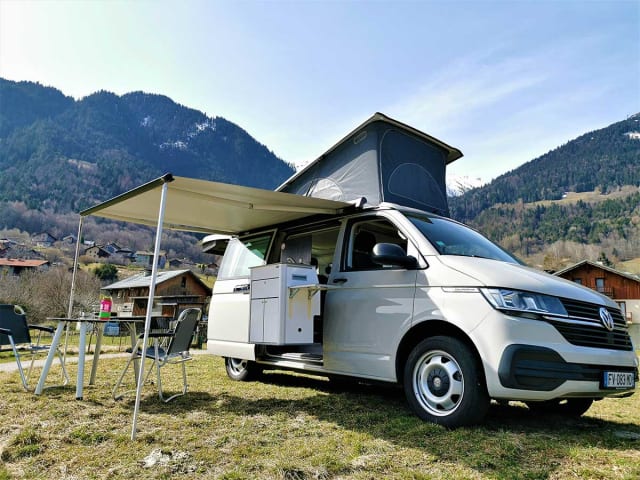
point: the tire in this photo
(241, 370)
(568, 407)
(444, 384)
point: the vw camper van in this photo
(392, 290)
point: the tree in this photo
(106, 271)
(604, 260)
(46, 294)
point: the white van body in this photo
(430, 304)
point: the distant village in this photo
(19, 256)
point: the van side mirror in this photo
(392, 254)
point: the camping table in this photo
(84, 321)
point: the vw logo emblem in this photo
(607, 319)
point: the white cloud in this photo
(465, 90)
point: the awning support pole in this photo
(147, 321)
(73, 286)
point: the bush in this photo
(106, 271)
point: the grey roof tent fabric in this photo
(382, 160)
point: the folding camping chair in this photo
(177, 351)
(15, 331)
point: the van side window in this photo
(363, 236)
(242, 254)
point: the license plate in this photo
(618, 380)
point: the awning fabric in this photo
(210, 207)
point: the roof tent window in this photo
(413, 172)
(413, 182)
(324, 188)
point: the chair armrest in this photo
(5, 331)
(42, 328)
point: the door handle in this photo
(339, 280)
(242, 288)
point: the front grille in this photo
(584, 327)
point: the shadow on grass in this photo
(513, 442)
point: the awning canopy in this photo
(210, 207)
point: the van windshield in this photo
(451, 238)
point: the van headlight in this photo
(518, 301)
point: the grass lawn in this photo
(289, 426)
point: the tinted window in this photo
(450, 238)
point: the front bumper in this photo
(535, 368)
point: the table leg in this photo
(81, 353)
(134, 340)
(47, 363)
(96, 353)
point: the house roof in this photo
(46, 235)
(144, 280)
(600, 266)
(99, 248)
(17, 262)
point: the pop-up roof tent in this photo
(382, 160)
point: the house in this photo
(175, 263)
(125, 255)
(15, 250)
(96, 252)
(44, 239)
(15, 266)
(175, 291)
(69, 239)
(623, 288)
(145, 259)
(6, 243)
(111, 247)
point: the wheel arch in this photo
(432, 328)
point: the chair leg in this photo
(65, 375)
(184, 384)
(24, 379)
(119, 382)
(134, 355)
(159, 382)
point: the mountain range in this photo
(60, 155)
(604, 159)
(583, 193)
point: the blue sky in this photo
(504, 81)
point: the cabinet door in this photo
(299, 317)
(273, 321)
(256, 323)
